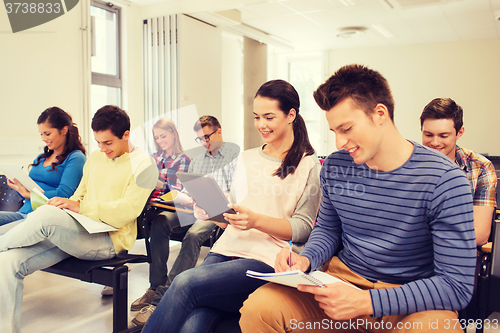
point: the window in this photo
(106, 85)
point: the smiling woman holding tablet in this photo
(275, 194)
(59, 168)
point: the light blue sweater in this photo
(60, 183)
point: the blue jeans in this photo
(46, 237)
(8, 217)
(199, 296)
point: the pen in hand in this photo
(290, 254)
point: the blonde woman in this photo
(169, 156)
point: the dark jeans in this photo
(163, 225)
(198, 297)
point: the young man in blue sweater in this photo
(395, 221)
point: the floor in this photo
(57, 304)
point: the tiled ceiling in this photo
(315, 24)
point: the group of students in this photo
(385, 214)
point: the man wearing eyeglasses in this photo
(219, 161)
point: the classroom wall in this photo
(44, 66)
(132, 81)
(232, 89)
(40, 67)
(467, 72)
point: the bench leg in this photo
(120, 291)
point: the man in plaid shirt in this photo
(441, 123)
(219, 161)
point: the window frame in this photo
(109, 80)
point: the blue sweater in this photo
(60, 183)
(411, 226)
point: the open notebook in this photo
(92, 226)
(294, 278)
(12, 171)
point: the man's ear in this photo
(380, 114)
(126, 135)
(460, 132)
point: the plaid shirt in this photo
(481, 175)
(168, 166)
(221, 166)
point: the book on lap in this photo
(12, 171)
(294, 278)
(92, 226)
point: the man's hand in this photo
(298, 262)
(74, 206)
(341, 301)
(17, 186)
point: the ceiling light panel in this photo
(382, 30)
(346, 3)
(312, 5)
(267, 10)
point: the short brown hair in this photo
(206, 121)
(111, 117)
(366, 87)
(443, 108)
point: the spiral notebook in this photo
(294, 278)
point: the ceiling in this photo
(315, 24)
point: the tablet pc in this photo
(12, 171)
(207, 194)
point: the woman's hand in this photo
(17, 186)
(199, 213)
(188, 203)
(245, 218)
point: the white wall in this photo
(44, 66)
(132, 80)
(199, 60)
(467, 72)
(40, 67)
(232, 89)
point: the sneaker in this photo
(107, 291)
(143, 315)
(144, 300)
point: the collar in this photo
(221, 151)
(459, 158)
(164, 155)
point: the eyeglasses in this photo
(205, 138)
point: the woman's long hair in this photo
(57, 118)
(168, 125)
(288, 99)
